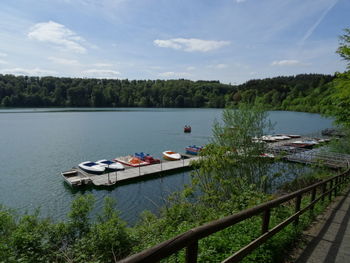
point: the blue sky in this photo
(227, 40)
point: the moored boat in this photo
(194, 150)
(268, 138)
(110, 165)
(267, 155)
(91, 167)
(293, 135)
(147, 158)
(130, 160)
(171, 156)
(280, 137)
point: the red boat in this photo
(147, 158)
(151, 160)
(187, 128)
(131, 161)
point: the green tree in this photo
(341, 97)
(344, 47)
(231, 162)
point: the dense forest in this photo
(301, 92)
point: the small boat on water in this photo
(91, 167)
(75, 178)
(267, 155)
(194, 150)
(268, 138)
(171, 156)
(110, 165)
(187, 129)
(280, 137)
(147, 158)
(293, 135)
(130, 160)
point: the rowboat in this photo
(171, 156)
(110, 165)
(91, 167)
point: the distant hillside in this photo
(301, 93)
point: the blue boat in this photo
(194, 150)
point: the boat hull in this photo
(171, 156)
(111, 166)
(91, 168)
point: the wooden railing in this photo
(189, 240)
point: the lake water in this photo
(37, 144)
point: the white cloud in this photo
(191, 44)
(3, 62)
(58, 35)
(218, 66)
(29, 72)
(64, 61)
(102, 65)
(101, 73)
(191, 68)
(286, 62)
(171, 74)
(3, 54)
(240, 1)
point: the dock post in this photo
(109, 181)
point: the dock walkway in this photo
(319, 155)
(142, 172)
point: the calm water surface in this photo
(36, 144)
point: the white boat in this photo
(91, 167)
(281, 137)
(107, 164)
(171, 156)
(293, 135)
(268, 138)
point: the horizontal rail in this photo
(190, 238)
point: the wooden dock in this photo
(319, 155)
(135, 173)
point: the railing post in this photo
(330, 190)
(324, 189)
(297, 208)
(313, 197)
(266, 221)
(192, 252)
(336, 186)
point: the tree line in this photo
(300, 92)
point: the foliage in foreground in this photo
(30, 238)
